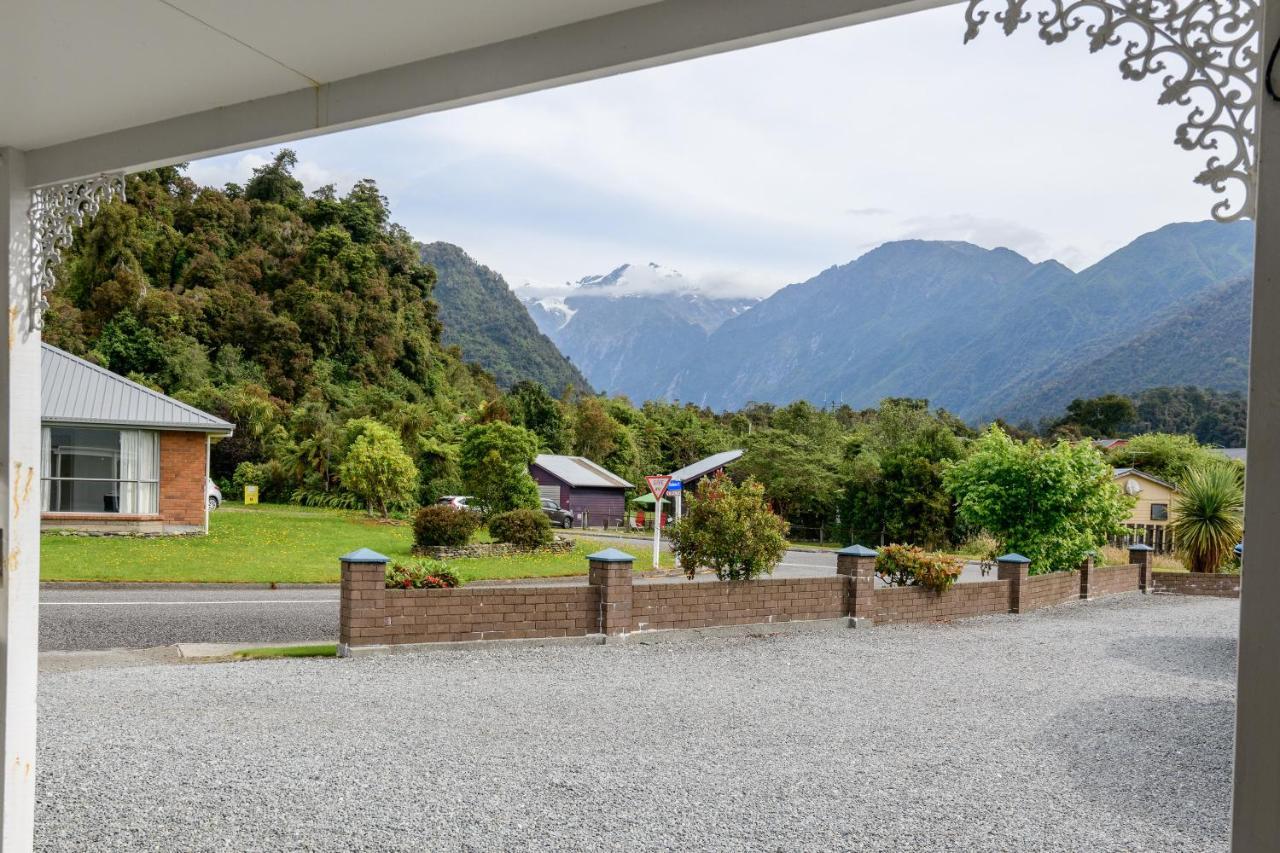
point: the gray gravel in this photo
(1100, 727)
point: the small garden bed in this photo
(559, 545)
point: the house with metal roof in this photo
(689, 475)
(118, 457)
(594, 494)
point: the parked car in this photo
(212, 494)
(559, 517)
(459, 501)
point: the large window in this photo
(101, 470)
(1159, 512)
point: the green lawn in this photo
(280, 544)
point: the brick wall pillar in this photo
(1016, 568)
(610, 572)
(859, 565)
(1143, 557)
(1087, 579)
(361, 607)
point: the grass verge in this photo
(272, 543)
(324, 650)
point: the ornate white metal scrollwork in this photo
(1207, 52)
(56, 212)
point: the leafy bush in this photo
(494, 461)
(376, 468)
(729, 529)
(528, 528)
(907, 565)
(422, 574)
(270, 478)
(443, 525)
(1054, 504)
(1209, 517)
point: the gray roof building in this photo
(706, 466)
(579, 472)
(75, 391)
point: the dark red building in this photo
(581, 486)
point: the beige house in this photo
(1155, 497)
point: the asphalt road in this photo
(142, 617)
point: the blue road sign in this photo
(675, 486)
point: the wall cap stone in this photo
(1141, 547)
(857, 551)
(364, 555)
(611, 555)
(1013, 558)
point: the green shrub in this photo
(270, 478)
(729, 529)
(422, 574)
(528, 528)
(907, 565)
(376, 468)
(1209, 517)
(440, 524)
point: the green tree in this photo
(1170, 457)
(730, 529)
(893, 476)
(494, 460)
(1209, 516)
(533, 408)
(1054, 504)
(376, 469)
(800, 476)
(1100, 417)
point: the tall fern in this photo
(1210, 516)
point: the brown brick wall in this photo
(1112, 580)
(917, 604)
(182, 478)
(1197, 583)
(702, 604)
(1050, 589)
(479, 613)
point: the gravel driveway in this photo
(1100, 727)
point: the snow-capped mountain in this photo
(632, 329)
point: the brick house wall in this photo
(183, 465)
(182, 501)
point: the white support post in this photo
(1255, 819)
(20, 517)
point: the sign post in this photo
(657, 487)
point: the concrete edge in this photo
(348, 651)
(754, 629)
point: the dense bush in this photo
(528, 528)
(494, 461)
(422, 574)
(1054, 504)
(441, 524)
(270, 478)
(730, 529)
(376, 468)
(907, 565)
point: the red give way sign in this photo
(658, 486)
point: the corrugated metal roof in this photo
(705, 466)
(75, 391)
(579, 471)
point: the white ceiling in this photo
(71, 69)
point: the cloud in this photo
(757, 168)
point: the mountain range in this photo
(983, 332)
(484, 319)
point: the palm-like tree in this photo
(1210, 516)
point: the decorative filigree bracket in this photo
(1207, 52)
(55, 213)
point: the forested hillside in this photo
(289, 314)
(1202, 342)
(483, 318)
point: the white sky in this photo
(754, 169)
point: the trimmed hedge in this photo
(528, 528)
(441, 524)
